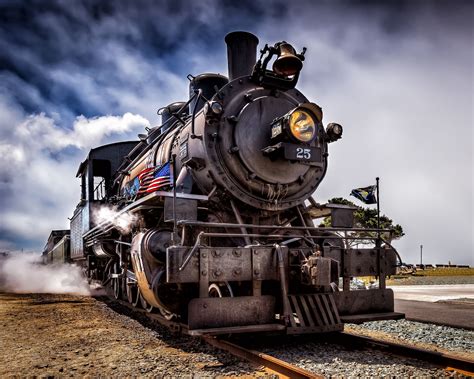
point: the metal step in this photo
(313, 313)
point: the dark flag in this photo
(366, 194)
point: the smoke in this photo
(123, 221)
(25, 273)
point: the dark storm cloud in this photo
(41, 37)
(88, 36)
(395, 73)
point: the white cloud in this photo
(40, 184)
(44, 133)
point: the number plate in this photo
(302, 153)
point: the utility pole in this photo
(421, 255)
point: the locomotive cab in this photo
(96, 175)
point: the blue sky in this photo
(397, 75)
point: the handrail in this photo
(239, 226)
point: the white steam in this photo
(24, 273)
(45, 133)
(122, 221)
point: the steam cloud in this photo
(24, 273)
(123, 221)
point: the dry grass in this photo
(445, 271)
(441, 271)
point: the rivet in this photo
(204, 255)
(204, 305)
(256, 272)
(204, 273)
(217, 273)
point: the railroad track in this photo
(286, 369)
(449, 362)
(271, 364)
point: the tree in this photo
(367, 218)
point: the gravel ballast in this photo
(62, 335)
(334, 360)
(430, 336)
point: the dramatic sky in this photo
(397, 75)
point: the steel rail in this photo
(282, 368)
(463, 365)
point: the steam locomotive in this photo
(208, 218)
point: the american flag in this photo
(162, 178)
(145, 177)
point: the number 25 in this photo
(303, 153)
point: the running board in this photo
(367, 317)
(313, 313)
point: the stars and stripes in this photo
(149, 180)
(161, 179)
(145, 177)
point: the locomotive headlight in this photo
(302, 125)
(333, 132)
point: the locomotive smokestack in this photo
(241, 53)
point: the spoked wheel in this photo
(136, 301)
(221, 289)
(132, 291)
(148, 307)
(115, 282)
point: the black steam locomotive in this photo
(208, 218)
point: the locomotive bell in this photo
(287, 63)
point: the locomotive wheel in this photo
(115, 283)
(132, 291)
(149, 308)
(137, 303)
(221, 289)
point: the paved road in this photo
(437, 304)
(432, 293)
